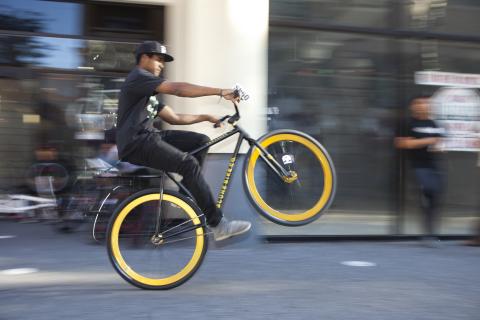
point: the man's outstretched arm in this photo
(184, 89)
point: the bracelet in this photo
(221, 96)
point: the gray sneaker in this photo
(226, 229)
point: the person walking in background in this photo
(422, 137)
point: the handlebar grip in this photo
(236, 93)
(217, 125)
(240, 92)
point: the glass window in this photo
(58, 53)
(109, 56)
(459, 201)
(340, 88)
(65, 111)
(438, 55)
(41, 16)
(350, 13)
(63, 53)
(444, 16)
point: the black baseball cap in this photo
(153, 47)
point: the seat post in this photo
(161, 184)
(159, 207)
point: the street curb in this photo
(389, 238)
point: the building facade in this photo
(342, 71)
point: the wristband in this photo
(221, 95)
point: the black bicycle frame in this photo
(264, 154)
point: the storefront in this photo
(61, 64)
(344, 71)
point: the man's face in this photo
(154, 64)
(420, 108)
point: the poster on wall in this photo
(457, 110)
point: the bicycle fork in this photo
(282, 173)
(157, 238)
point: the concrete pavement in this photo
(248, 279)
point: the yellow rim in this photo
(327, 171)
(153, 281)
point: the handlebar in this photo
(217, 125)
(243, 95)
(231, 118)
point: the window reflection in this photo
(70, 113)
(41, 16)
(108, 55)
(94, 111)
(350, 89)
(445, 16)
(57, 53)
(62, 53)
(353, 13)
(20, 51)
(340, 88)
(439, 56)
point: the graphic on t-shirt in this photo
(152, 107)
(429, 130)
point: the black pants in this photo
(167, 151)
(430, 181)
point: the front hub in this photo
(292, 177)
(157, 239)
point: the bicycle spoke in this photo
(180, 224)
(303, 193)
(183, 239)
(132, 235)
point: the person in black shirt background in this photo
(423, 136)
(141, 143)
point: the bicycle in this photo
(157, 238)
(44, 179)
(95, 193)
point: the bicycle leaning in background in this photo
(157, 238)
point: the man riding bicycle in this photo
(141, 143)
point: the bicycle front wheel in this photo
(300, 200)
(156, 251)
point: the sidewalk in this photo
(372, 224)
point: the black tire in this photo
(295, 203)
(130, 233)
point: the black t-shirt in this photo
(418, 129)
(137, 108)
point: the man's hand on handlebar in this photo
(230, 94)
(213, 119)
(234, 95)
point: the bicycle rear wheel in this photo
(296, 202)
(152, 260)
